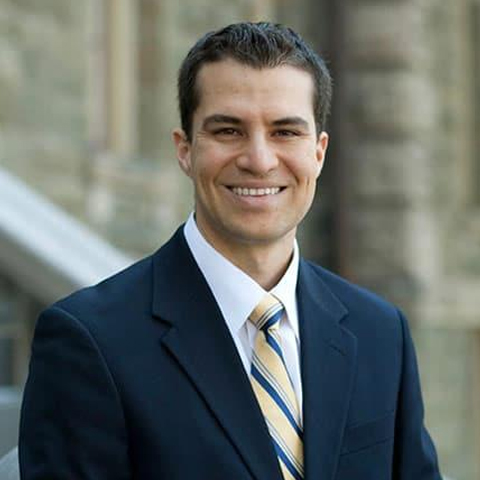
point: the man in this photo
(175, 369)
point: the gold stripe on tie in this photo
(273, 388)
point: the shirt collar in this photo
(285, 291)
(241, 294)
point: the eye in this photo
(286, 133)
(227, 131)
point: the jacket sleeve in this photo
(415, 456)
(72, 424)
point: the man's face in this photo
(254, 155)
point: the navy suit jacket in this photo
(139, 378)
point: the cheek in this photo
(206, 172)
(211, 166)
(306, 169)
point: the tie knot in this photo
(267, 313)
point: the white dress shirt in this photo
(238, 296)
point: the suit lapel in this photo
(328, 354)
(201, 343)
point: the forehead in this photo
(229, 85)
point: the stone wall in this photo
(42, 97)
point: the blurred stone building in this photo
(87, 103)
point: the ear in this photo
(183, 150)
(321, 150)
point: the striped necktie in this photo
(273, 388)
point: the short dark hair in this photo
(258, 45)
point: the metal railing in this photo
(45, 250)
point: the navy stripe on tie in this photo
(276, 397)
(286, 461)
(274, 344)
(288, 453)
(274, 383)
(272, 320)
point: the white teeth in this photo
(255, 192)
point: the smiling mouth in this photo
(256, 192)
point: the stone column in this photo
(389, 111)
(402, 122)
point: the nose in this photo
(258, 156)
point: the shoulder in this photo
(366, 311)
(353, 296)
(112, 295)
(106, 314)
(119, 309)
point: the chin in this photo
(260, 235)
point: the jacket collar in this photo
(200, 341)
(328, 362)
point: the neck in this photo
(266, 263)
(266, 267)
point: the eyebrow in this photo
(281, 122)
(298, 121)
(220, 118)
